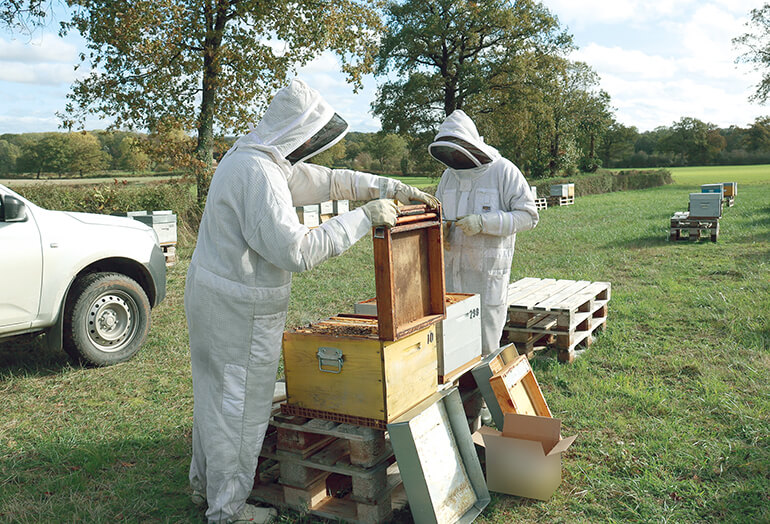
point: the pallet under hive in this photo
(331, 470)
(564, 314)
(541, 203)
(560, 200)
(685, 228)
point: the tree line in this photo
(208, 67)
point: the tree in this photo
(132, 156)
(697, 142)
(332, 155)
(387, 148)
(9, 152)
(85, 153)
(757, 44)
(207, 65)
(448, 52)
(617, 142)
(757, 137)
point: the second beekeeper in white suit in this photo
(486, 201)
(237, 292)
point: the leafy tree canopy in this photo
(756, 43)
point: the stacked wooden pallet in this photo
(683, 227)
(560, 200)
(541, 203)
(564, 314)
(331, 470)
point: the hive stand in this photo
(331, 470)
(684, 227)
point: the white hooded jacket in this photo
(237, 292)
(498, 192)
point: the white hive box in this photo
(534, 191)
(163, 222)
(705, 205)
(327, 208)
(459, 335)
(341, 206)
(309, 215)
(563, 190)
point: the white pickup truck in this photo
(88, 281)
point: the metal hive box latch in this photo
(329, 359)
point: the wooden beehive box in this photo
(340, 370)
(517, 390)
(459, 334)
(409, 272)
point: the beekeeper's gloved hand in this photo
(406, 193)
(470, 224)
(382, 212)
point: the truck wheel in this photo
(106, 319)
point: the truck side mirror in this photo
(12, 209)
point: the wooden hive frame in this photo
(517, 391)
(409, 272)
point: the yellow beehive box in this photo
(340, 370)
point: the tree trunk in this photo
(204, 150)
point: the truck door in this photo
(21, 272)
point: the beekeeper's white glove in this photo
(381, 212)
(406, 193)
(470, 224)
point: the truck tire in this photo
(106, 319)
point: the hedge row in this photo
(606, 181)
(119, 198)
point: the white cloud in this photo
(43, 49)
(40, 74)
(581, 13)
(625, 61)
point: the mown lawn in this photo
(671, 404)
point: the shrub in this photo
(119, 198)
(605, 181)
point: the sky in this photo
(659, 60)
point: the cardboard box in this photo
(459, 334)
(525, 458)
(438, 463)
(705, 205)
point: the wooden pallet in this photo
(683, 227)
(561, 200)
(728, 201)
(541, 203)
(563, 314)
(331, 470)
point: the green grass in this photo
(671, 404)
(694, 176)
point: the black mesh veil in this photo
(323, 139)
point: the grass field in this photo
(671, 404)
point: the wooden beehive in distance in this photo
(409, 272)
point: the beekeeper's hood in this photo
(299, 123)
(458, 144)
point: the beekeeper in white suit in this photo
(486, 201)
(237, 292)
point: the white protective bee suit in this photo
(237, 291)
(490, 192)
